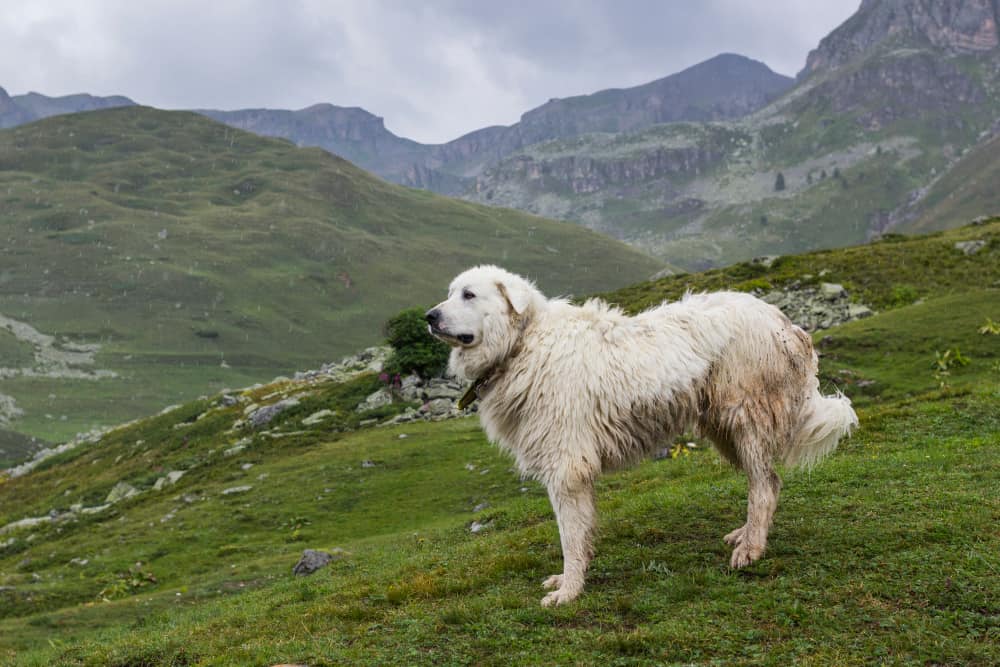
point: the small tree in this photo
(779, 182)
(414, 349)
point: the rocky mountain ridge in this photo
(955, 26)
(19, 109)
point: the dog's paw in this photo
(735, 537)
(553, 582)
(559, 596)
(744, 554)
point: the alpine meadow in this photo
(227, 436)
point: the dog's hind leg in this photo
(751, 539)
(576, 515)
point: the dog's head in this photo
(486, 310)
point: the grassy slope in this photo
(888, 552)
(177, 243)
(966, 191)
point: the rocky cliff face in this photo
(583, 174)
(954, 26)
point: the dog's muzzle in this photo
(433, 318)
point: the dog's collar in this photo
(473, 392)
(477, 389)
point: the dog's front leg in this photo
(573, 504)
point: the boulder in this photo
(313, 560)
(120, 492)
(831, 291)
(970, 247)
(376, 400)
(263, 416)
(437, 407)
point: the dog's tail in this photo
(823, 421)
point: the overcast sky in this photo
(434, 70)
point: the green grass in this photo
(174, 241)
(886, 553)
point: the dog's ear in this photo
(517, 295)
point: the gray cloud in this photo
(434, 70)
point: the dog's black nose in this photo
(432, 316)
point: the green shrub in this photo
(414, 349)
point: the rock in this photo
(477, 527)
(120, 492)
(236, 489)
(317, 417)
(831, 291)
(376, 400)
(856, 311)
(228, 400)
(234, 450)
(263, 416)
(313, 560)
(171, 479)
(480, 507)
(367, 464)
(440, 389)
(437, 407)
(79, 561)
(970, 247)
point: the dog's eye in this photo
(466, 294)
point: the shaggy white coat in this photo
(574, 391)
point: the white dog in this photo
(574, 391)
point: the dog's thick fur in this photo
(573, 391)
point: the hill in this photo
(886, 550)
(150, 256)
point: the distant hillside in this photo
(20, 109)
(149, 256)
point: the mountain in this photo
(21, 109)
(724, 87)
(148, 256)
(889, 102)
(953, 26)
(171, 540)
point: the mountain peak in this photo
(954, 26)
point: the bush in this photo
(414, 350)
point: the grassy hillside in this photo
(887, 552)
(196, 256)
(967, 190)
